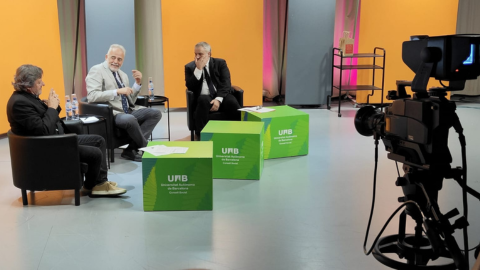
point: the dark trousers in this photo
(139, 125)
(229, 106)
(92, 150)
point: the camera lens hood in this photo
(362, 120)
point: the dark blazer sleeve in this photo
(222, 75)
(27, 118)
(191, 81)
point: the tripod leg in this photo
(401, 226)
(457, 256)
(419, 258)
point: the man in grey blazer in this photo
(107, 83)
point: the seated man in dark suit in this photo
(30, 116)
(209, 80)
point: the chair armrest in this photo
(190, 109)
(73, 126)
(238, 94)
(100, 109)
(142, 101)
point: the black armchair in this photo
(46, 163)
(237, 93)
(115, 137)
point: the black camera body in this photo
(415, 132)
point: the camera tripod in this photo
(433, 232)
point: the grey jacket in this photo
(101, 86)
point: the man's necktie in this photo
(124, 98)
(213, 93)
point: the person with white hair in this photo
(108, 84)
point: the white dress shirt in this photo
(135, 86)
(198, 74)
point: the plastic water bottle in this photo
(68, 108)
(74, 107)
(150, 89)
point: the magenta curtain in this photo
(345, 12)
(274, 26)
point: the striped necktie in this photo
(124, 98)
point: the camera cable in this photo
(463, 183)
(463, 145)
(373, 199)
(373, 206)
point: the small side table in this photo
(87, 125)
(157, 100)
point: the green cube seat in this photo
(178, 181)
(237, 148)
(286, 131)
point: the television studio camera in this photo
(414, 131)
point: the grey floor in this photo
(307, 212)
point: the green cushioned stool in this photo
(286, 131)
(178, 181)
(237, 148)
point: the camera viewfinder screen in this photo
(470, 58)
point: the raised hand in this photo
(137, 75)
(125, 91)
(53, 100)
(201, 62)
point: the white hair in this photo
(205, 45)
(116, 46)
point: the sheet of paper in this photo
(264, 110)
(257, 109)
(161, 150)
(180, 150)
(149, 149)
(90, 119)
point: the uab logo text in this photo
(177, 178)
(285, 131)
(230, 151)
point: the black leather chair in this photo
(115, 137)
(46, 163)
(237, 93)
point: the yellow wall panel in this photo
(234, 29)
(30, 36)
(388, 24)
